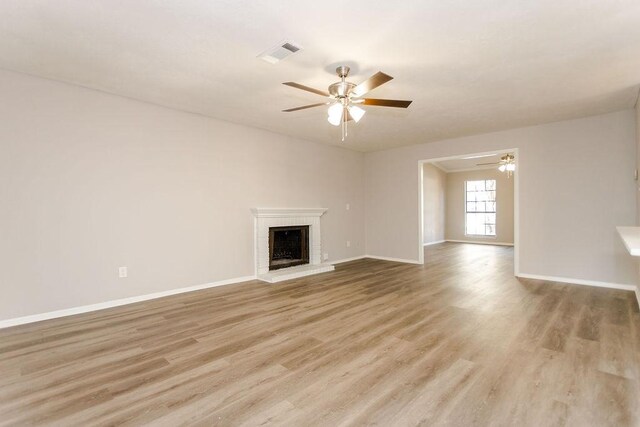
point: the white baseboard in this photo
(340, 261)
(384, 258)
(480, 242)
(433, 243)
(580, 282)
(124, 301)
(115, 303)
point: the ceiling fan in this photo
(507, 163)
(344, 98)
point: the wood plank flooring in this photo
(456, 342)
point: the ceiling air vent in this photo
(279, 52)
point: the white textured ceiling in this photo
(469, 66)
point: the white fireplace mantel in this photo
(287, 213)
(282, 217)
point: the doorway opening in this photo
(470, 199)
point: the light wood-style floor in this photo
(457, 342)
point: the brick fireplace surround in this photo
(281, 217)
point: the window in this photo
(480, 207)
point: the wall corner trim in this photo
(583, 282)
(116, 303)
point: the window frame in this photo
(465, 212)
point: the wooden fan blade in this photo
(307, 88)
(304, 107)
(386, 102)
(371, 83)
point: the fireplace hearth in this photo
(288, 246)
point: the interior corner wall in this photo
(90, 182)
(455, 224)
(575, 186)
(434, 203)
(637, 188)
(637, 114)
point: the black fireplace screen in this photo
(288, 246)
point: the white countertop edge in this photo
(631, 238)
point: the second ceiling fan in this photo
(506, 163)
(345, 98)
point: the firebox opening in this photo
(288, 246)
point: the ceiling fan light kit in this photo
(507, 164)
(335, 112)
(344, 97)
(356, 113)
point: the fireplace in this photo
(288, 246)
(268, 219)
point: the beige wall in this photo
(455, 225)
(575, 185)
(433, 200)
(90, 182)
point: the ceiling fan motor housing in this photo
(341, 89)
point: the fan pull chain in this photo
(343, 129)
(346, 129)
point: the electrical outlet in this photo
(325, 256)
(122, 272)
(348, 243)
